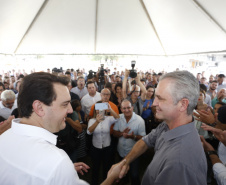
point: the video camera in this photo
(133, 72)
(102, 70)
(91, 74)
(101, 79)
(55, 70)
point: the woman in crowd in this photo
(79, 115)
(99, 127)
(118, 96)
(201, 105)
(147, 107)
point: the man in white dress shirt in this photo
(91, 98)
(8, 103)
(28, 153)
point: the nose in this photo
(70, 110)
(155, 103)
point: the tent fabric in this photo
(139, 27)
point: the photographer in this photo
(102, 78)
(136, 100)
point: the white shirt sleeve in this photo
(219, 171)
(65, 173)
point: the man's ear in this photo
(38, 108)
(184, 104)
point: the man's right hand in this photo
(218, 133)
(119, 170)
(99, 118)
(127, 72)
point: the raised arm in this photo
(113, 113)
(142, 88)
(124, 83)
(93, 126)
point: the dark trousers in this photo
(134, 172)
(99, 156)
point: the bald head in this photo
(105, 95)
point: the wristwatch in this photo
(212, 153)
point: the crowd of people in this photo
(117, 122)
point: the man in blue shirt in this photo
(129, 128)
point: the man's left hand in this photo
(80, 167)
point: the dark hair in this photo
(108, 85)
(133, 82)
(89, 82)
(214, 81)
(143, 80)
(75, 104)
(67, 73)
(118, 85)
(203, 87)
(1, 84)
(221, 76)
(220, 103)
(20, 76)
(150, 86)
(37, 86)
(203, 92)
(222, 115)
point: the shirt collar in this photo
(33, 131)
(178, 131)
(131, 119)
(1, 105)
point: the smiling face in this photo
(150, 92)
(127, 109)
(165, 107)
(118, 90)
(54, 118)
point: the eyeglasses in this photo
(8, 104)
(124, 108)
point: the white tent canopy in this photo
(140, 27)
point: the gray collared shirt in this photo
(179, 157)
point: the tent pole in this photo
(32, 23)
(96, 24)
(150, 20)
(200, 7)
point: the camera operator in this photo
(102, 78)
(133, 96)
(92, 77)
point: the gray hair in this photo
(8, 95)
(125, 100)
(185, 85)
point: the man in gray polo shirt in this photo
(179, 157)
